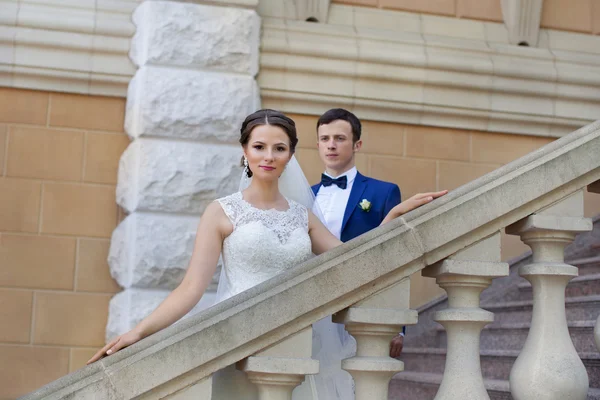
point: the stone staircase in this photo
(510, 299)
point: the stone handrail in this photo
(193, 349)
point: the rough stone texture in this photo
(196, 36)
(175, 176)
(130, 306)
(152, 250)
(196, 105)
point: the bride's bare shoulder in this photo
(214, 216)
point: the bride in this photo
(261, 233)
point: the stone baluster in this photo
(595, 188)
(277, 370)
(549, 367)
(373, 322)
(597, 333)
(464, 276)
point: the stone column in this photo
(549, 366)
(185, 105)
(522, 20)
(464, 276)
(277, 370)
(373, 322)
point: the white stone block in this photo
(131, 306)
(197, 36)
(152, 250)
(196, 105)
(175, 176)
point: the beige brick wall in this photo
(58, 167)
(568, 15)
(421, 158)
(572, 15)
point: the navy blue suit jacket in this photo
(383, 197)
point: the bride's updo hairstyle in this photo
(268, 117)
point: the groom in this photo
(351, 203)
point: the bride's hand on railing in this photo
(415, 201)
(118, 343)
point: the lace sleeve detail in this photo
(231, 207)
(301, 214)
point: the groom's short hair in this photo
(339, 113)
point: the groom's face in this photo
(336, 146)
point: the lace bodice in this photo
(263, 243)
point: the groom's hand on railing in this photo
(396, 345)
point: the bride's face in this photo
(268, 152)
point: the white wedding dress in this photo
(263, 244)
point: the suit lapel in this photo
(316, 188)
(359, 186)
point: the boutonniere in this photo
(365, 205)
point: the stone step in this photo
(587, 266)
(511, 336)
(410, 385)
(584, 308)
(583, 285)
(495, 364)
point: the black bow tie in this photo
(341, 182)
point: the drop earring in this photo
(246, 169)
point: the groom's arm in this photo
(392, 199)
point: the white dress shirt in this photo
(332, 202)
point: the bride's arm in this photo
(322, 240)
(214, 226)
